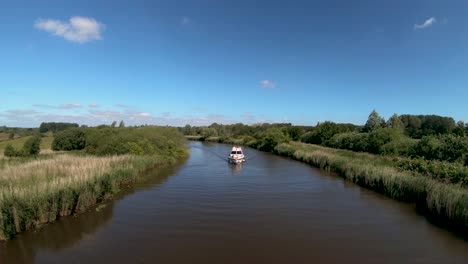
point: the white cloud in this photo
(70, 106)
(93, 105)
(429, 22)
(267, 84)
(63, 106)
(78, 29)
(144, 114)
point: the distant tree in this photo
(294, 132)
(208, 132)
(325, 131)
(10, 151)
(12, 135)
(460, 129)
(121, 124)
(32, 146)
(270, 138)
(187, 130)
(374, 121)
(114, 124)
(394, 122)
(70, 139)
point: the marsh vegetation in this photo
(91, 166)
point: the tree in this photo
(70, 139)
(114, 124)
(270, 138)
(32, 146)
(394, 122)
(10, 151)
(374, 121)
(209, 132)
(460, 129)
(294, 132)
(187, 130)
(122, 124)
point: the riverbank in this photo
(40, 191)
(444, 203)
(447, 204)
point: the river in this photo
(268, 210)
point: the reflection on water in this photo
(68, 231)
(57, 236)
(236, 169)
(267, 210)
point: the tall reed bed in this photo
(38, 191)
(446, 203)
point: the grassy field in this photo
(446, 203)
(19, 142)
(38, 191)
(4, 136)
(35, 190)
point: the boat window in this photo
(239, 152)
(233, 152)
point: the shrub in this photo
(10, 151)
(399, 147)
(70, 139)
(32, 146)
(270, 138)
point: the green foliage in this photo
(417, 126)
(325, 131)
(70, 139)
(443, 147)
(270, 138)
(32, 146)
(403, 146)
(460, 130)
(294, 132)
(140, 141)
(394, 122)
(55, 126)
(374, 121)
(10, 151)
(209, 132)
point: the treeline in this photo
(105, 140)
(55, 126)
(429, 137)
(15, 132)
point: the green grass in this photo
(40, 190)
(448, 203)
(19, 142)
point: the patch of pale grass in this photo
(54, 174)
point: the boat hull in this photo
(235, 161)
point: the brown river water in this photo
(268, 210)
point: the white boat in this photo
(236, 156)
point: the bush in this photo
(443, 147)
(270, 138)
(32, 146)
(70, 139)
(10, 151)
(139, 141)
(399, 147)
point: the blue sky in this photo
(198, 62)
